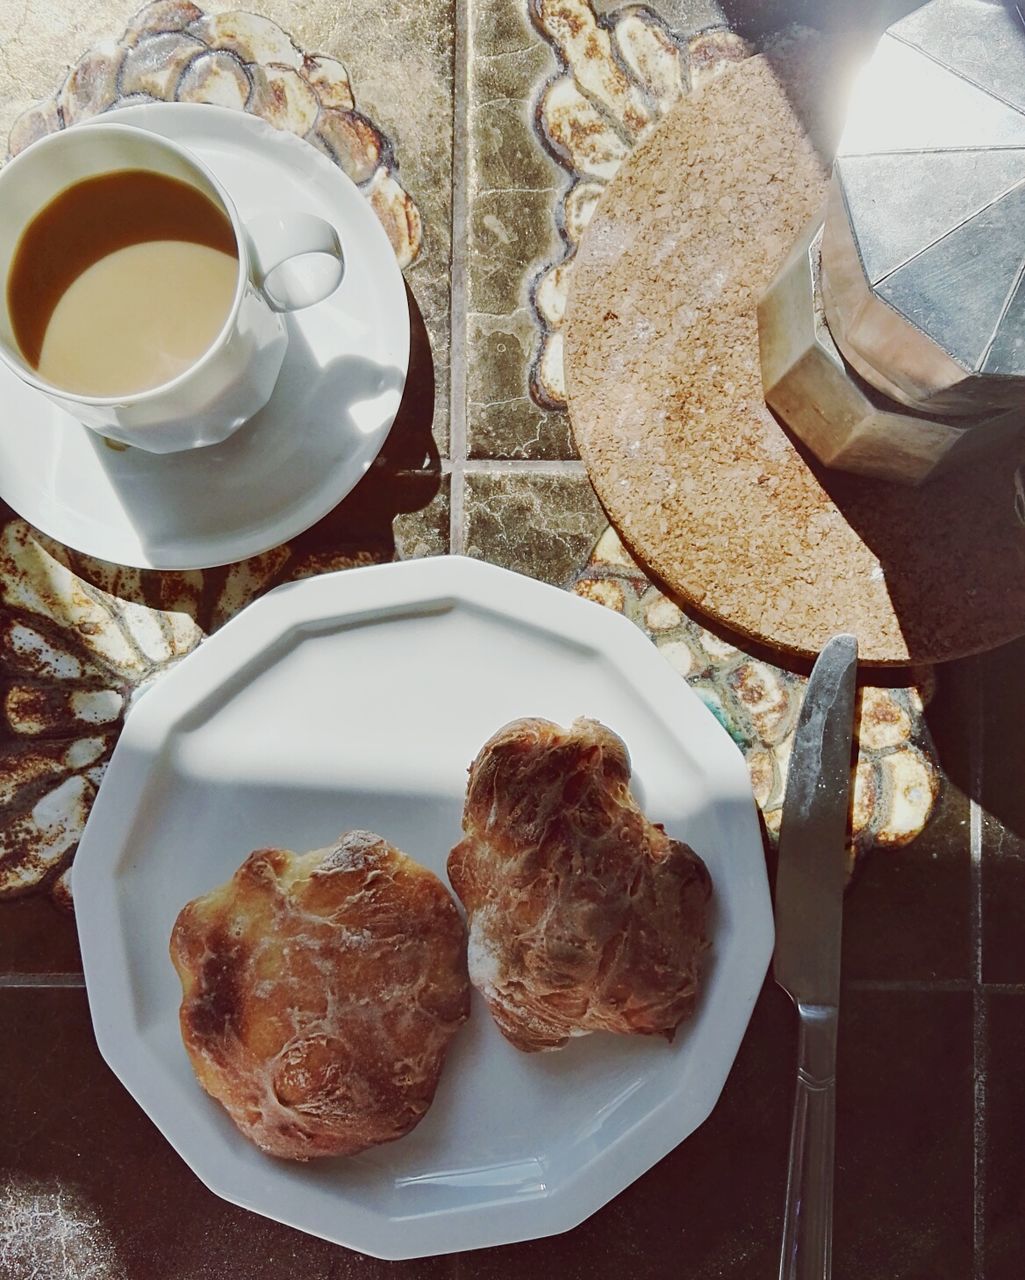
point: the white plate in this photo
(332, 408)
(357, 700)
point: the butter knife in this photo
(806, 964)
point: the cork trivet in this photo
(705, 486)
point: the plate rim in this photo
(394, 588)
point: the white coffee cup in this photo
(235, 376)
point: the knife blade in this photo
(809, 918)
(811, 872)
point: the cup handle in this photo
(276, 241)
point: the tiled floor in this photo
(930, 1172)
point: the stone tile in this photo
(1004, 1168)
(89, 1188)
(36, 936)
(1003, 903)
(503, 420)
(505, 153)
(904, 1136)
(503, 235)
(511, 236)
(424, 531)
(1002, 798)
(907, 914)
(538, 523)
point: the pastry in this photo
(583, 916)
(320, 994)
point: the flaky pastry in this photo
(583, 915)
(320, 994)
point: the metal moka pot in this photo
(893, 338)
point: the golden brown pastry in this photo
(320, 994)
(583, 916)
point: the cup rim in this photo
(27, 374)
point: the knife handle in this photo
(807, 1252)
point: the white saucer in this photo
(332, 408)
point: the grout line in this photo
(910, 984)
(979, 1134)
(498, 466)
(459, 287)
(975, 748)
(935, 984)
(975, 846)
(42, 980)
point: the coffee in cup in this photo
(136, 298)
(121, 282)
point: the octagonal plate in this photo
(357, 700)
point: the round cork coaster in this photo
(705, 486)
